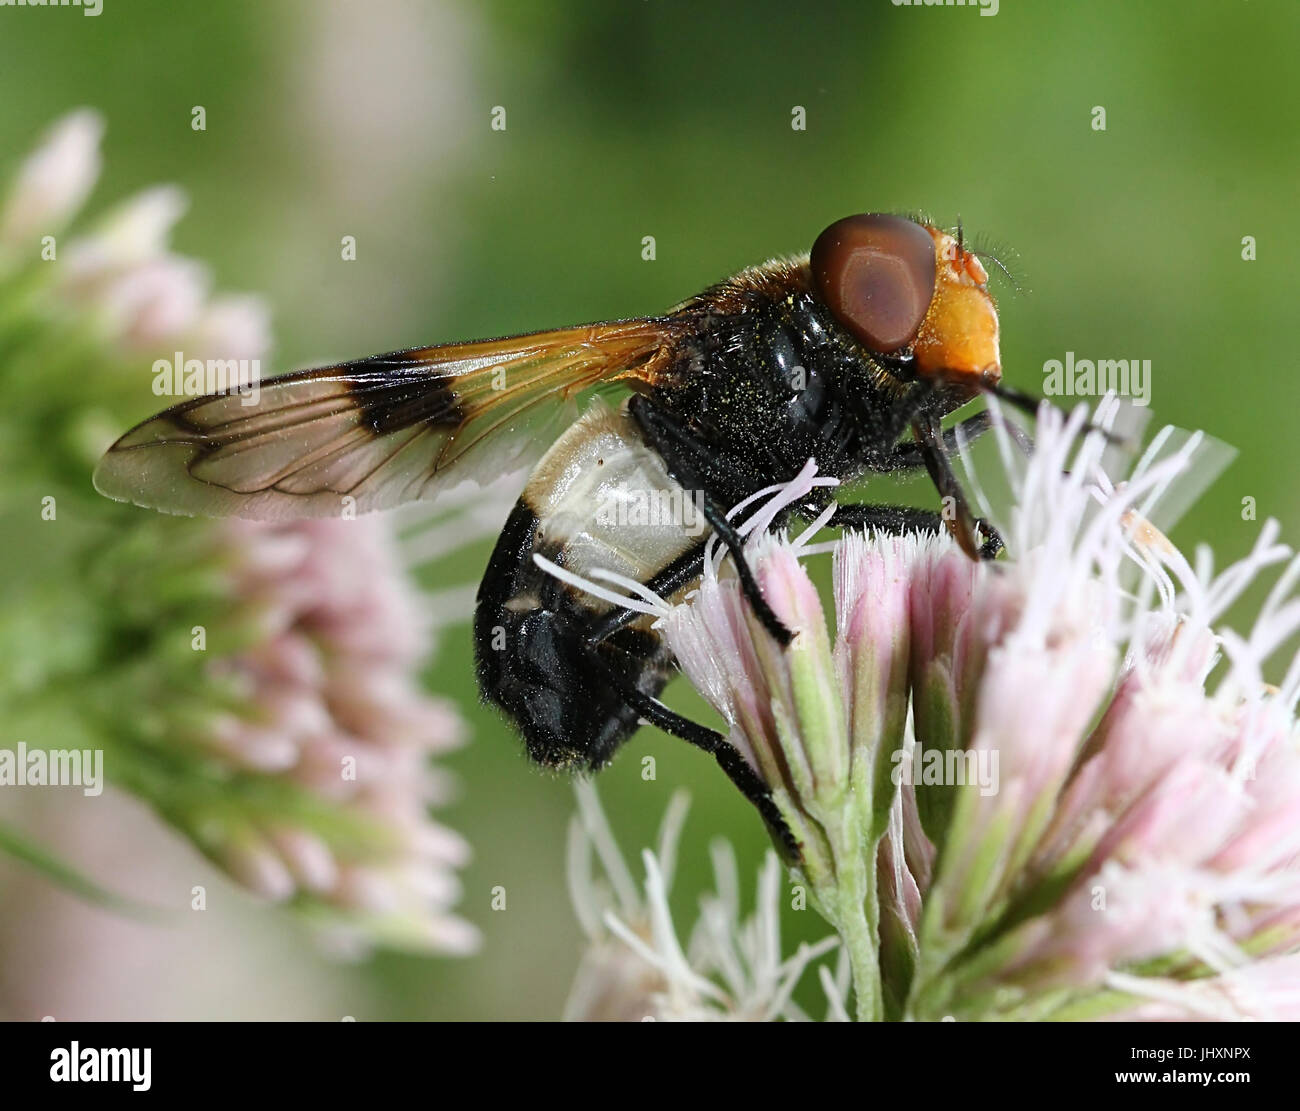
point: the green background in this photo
(649, 117)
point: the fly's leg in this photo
(884, 518)
(684, 569)
(908, 455)
(680, 451)
(898, 519)
(961, 522)
(726, 754)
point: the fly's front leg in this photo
(961, 522)
(932, 449)
(908, 455)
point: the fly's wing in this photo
(381, 431)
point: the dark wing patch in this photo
(380, 431)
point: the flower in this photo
(1047, 786)
(53, 183)
(324, 698)
(1123, 840)
(257, 684)
(635, 968)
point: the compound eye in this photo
(876, 274)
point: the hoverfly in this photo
(850, 355)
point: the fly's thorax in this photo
(766, 378)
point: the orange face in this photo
(958, 339)
(901, 287)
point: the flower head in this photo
(1049, 785)
(258, 684)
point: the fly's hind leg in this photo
(727, 755)
(677, 574)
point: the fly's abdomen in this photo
(598, 499)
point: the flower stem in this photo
(856, 911)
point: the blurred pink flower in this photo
(330, 701)
(322, 739)
(52, 184)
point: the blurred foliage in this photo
(672, 119)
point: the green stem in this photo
(857, 912)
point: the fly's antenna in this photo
(1004, 258)
(988, 256)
